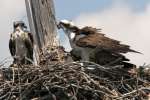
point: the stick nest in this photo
(74, 81)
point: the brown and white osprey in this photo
(21, 44)
(90, 44)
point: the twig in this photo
(130, 93)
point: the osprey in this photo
(89, 44)
(21, 44)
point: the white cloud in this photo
(122, 23)
(10, 10)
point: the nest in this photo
(58, 79)
(73, 81)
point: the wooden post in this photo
(41, 17)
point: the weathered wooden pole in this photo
(41, 17)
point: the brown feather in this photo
(98, 40)
(89, 30)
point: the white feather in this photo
(67, 22)
(72, 35)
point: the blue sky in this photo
(125, 20)
(70, 9)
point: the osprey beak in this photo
(25, 26)
(59, 26)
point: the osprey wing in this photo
(98, 40)
(29, 45)
(12, 47)
(31, 37)
(29, 42)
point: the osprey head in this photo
(68, 26)
(19, 24)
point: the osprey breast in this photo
(21, 50)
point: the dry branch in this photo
(54, 80)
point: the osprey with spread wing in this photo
(21, 44)
(90, 44)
